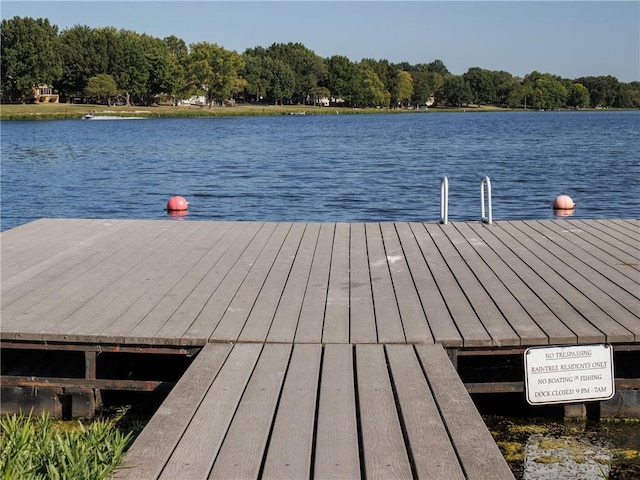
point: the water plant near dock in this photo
(41, 447)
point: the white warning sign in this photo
(568, 374)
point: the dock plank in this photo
(412, 316)
(165, 282)
(592, 279)
(96, 315)
(389, 323)
(337, 448)
(191, 266)
(236, 314)
(501, 332)
(193, 458)
(362, 318)
(336, 319)
(244, 445)
(555, 330)
(479, 455)
(30, 248)
(625, 262)
(287, 315)
(472, 331)
(439, 320)
(434, 457)
(589, 301)
(312, 314)
(157, 441)
(70, 296)
(504, 304)
(535, 274)
(197, 318)
(260, 318)
(291, 445)
(27, 264)
(383, 446)
(626, 232)
(23, 290)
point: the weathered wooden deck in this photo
(322, 344)
(283, 411)
(189, 283)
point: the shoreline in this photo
(65, 111)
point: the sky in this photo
(571, 39)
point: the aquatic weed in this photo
(35, 448)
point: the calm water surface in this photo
(322, 168)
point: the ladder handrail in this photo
(444, 200)
(488, 219)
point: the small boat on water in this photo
(93, 116)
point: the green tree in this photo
(546, 90)
(578, 96)
(282, 80)
(178, 54)
(385, 71)
(403, 88)
(421, 89)
(103, 87)
(163, 71)
(308, 68)
(341, 75)
(29, 55)
(371, 91)
(517, 95)
(438, 66)
(455, 91)
(256, 73)
(214, 71)
(128, 64)
(83, 56)
(504, 83)
(603, 90)
(481, 83)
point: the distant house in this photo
(44, 94)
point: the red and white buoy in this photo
(177, 204)
(564, 202)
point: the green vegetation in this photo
(41, 448)
(121, 67)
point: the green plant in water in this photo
(34, 448)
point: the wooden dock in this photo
(189, 283)
(283, 411)
(322, 350)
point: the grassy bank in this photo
(58, 111)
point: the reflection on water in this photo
(564, 213)
(323, 168)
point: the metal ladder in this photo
(444, 200)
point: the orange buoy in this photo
(564, 202)
(177, 204)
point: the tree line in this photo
(109, 65)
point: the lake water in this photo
(322, 168)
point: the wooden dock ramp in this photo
(283, 411)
